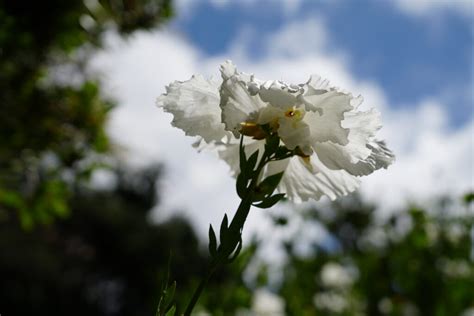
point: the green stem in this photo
(235, 227)
(200, 288)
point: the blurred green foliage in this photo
(52, 130)
(104, 259)
(107, 258)
(419, 262)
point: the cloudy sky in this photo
(412, 60)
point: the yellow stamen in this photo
(252, 129)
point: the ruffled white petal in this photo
(301, 184)
(238, 104)
(195, 107)
(362, 128)
(268, 115)
(277, 94)
(381, 156)
(336, 158)
(316, 83)
(361, 155)
(325, 124)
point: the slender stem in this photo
(200, 288)
(235, 227)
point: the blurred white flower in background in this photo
(335, 275)
(331, 301)
(265, 303)
(331, 143)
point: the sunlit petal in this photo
(195, 107)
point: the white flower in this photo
(331, 301)
(336, 276)
(265, 303)
(334, 143)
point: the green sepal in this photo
(270, 201)
(282, 152)
(212, 242)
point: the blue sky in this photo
(411, 56)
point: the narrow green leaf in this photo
(171, 312)
(224, 227)
(158, 309)
(169, 296)
(246, 170)
(269, 184)
(246, 174)
(282, 152)
(270, 201)
(243, 158)
(167, 293)
(251, 163)
(241, 185)
(212, 242)
(236, 252)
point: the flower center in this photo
(290, 113)
(294, 113)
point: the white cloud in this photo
(429, 7)
(431, 159)
(289, 7)
(298, 38)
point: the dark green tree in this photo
(107, 258)
(52, 131)
(65, 247)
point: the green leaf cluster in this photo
(252, 192)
